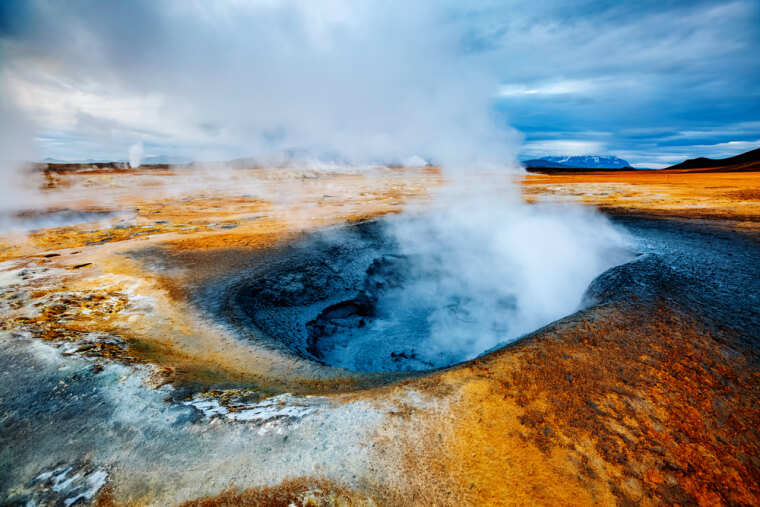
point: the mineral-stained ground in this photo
(132, 373)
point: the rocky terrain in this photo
(141, 360)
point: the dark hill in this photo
(746, 161)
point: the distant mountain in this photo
(166, 159)
(48, 160)
(149, 160)
(589, 162)
(574, 163)
(749, 160)
(539, 162)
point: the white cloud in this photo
(58, 104)
(562, 147)
(563, 87)
(370, 81)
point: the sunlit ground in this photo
(118, 387)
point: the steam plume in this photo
(346, 82)
(135, 155)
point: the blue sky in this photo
(651, 82)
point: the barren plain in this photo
(128, 379)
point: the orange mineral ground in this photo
(118, 388)
(724, 198)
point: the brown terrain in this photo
(724, 192)
(643, 398)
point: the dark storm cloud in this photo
(654, 81)
(646, 73)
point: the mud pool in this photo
(353, 297)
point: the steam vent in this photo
(379, 253)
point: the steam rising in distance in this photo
(135, 155)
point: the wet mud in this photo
(337, 298)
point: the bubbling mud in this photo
(364, 299)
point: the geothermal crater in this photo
(176, 336)
(354, 298)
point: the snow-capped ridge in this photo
(589, 161)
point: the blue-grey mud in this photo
(185, 354)
(358, 297)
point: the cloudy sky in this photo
(653, 82)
